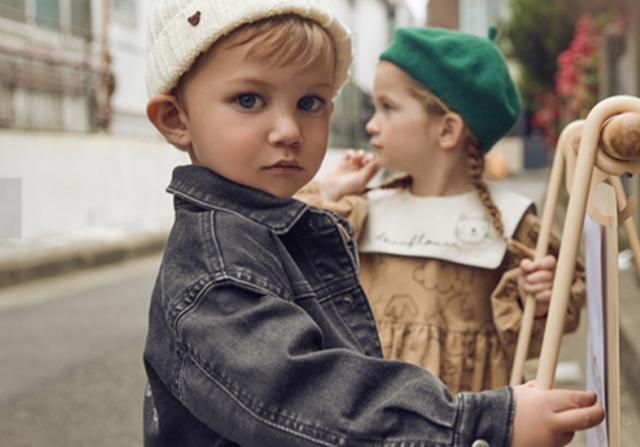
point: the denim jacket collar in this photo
(209, 190)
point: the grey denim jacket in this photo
(260, 335)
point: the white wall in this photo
(75, 182)
(371, 35)
(97, 186)
(371, 29)
(476, 16)
(128, 45)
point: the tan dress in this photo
(458, 321)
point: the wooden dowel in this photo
(542, 244)
(629, 225)
(572, 231)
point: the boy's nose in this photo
(286, 131)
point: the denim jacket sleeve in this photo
(253, 368)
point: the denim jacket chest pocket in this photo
(325, 257)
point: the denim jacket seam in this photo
(189, 297)
(221, 383)
(299, 296)
(214, 240)
(331, 296)
(345, 243)
(205, 283)
(266, 286)
(281, 228)
(178, 386)
(332, 289)
(407, 442)
(347, 326)
(511, 417)
(457, 432)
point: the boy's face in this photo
(257, 125)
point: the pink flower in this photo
(576, 80)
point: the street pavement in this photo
(71, 370)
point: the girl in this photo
(443, 255)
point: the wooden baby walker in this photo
(592, 154)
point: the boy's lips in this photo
(286, 165)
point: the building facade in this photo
(470, 16)
(50, 66)
(73, 126)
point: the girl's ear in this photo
(168, 117)
(451, 131)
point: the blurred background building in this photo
(73, 127)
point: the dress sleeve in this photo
(506, 301)
(353, 207)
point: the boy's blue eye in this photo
(249, 101)
(310, 103)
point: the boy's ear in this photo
(451, 130)
(167, 116)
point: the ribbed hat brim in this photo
(175, 43)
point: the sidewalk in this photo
(21, 261)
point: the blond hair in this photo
(434, 106)
(287, 40)
(283, 40)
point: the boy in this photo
(259, 332)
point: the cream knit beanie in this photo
(180, 30)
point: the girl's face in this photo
(401, 131)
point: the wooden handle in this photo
(562, 154)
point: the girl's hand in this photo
(551, 417)
(536, 280)
(350, 175)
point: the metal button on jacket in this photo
(480, 443)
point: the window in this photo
(67, 16)
(48, 13)
(81, 18)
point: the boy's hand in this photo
(536, 280)
(350, 175)
(551, 417)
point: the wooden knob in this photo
(621, 137)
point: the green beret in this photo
(468, 73)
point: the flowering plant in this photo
(576, 81)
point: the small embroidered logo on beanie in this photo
(194, 19)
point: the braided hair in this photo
(476, 171)
(435, 106)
